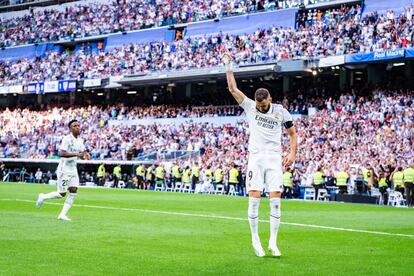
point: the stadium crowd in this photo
(336, 33)
(352, 134)
(97, 18)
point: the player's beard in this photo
(265, 110)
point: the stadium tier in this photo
(92, 18)
(332, 33)
(298, 103)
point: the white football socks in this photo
(68, 203)
(274, 221)
(253, 214)
(52, 195)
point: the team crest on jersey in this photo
(278, 115)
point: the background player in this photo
(72, 148)
(264, 168)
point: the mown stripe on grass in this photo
(219, 217)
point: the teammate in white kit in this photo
(264, 170)
(71, 149)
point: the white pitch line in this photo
(219, 217)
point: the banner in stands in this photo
(67, 85)
(382, 6)
(51, 86)
(11, 89)
(141, 36)
(244, 23)
(92, 83)
(409, 53)
(16, 89)
(177, 121)
(331, 61)
(4, 89)
(28, 51)
(375, 56)
(36, 88)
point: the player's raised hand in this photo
(226, 58)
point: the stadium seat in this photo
(158, 186)
(376, 193)
(232, 191)
(178, 187)
(198, 188)
(109, 184)
(219, 189)
(211, 190)
(90, 184)
(187, 188)
(309, 194)
(322, 195)
(396, 199)
(169, 189)
(121, 184)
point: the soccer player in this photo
(71, 149)
(265, 163)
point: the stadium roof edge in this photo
(198, 74)
(331, 3)
(23, 6)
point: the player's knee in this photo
(275, 194)
(255, 194)
(63, 194)
(73, 189)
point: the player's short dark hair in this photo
(72, 121)
(261, 94)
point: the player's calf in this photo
(42, 197)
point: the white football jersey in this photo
(265, 128)
(70, 144)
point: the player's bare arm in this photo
(82, 155)
(288, 160)
(231, 81)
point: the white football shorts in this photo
(64, 181)
(264, 172)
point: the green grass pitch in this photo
(129, 232)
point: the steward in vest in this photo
(140, 172)
(287, 184)
(101, 175)
(409, 185)
(233, 178)
(187, 175)
(176, 172)
(382, 186)
(397, 178)
(318, 180)
(150, 176)
(117, 175)
(218, 176)
(195, 175)
(341, 181)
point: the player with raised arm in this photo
(264, 170)
(71, 149)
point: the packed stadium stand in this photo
(146, 80)
(330, 33)
(91, 18)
